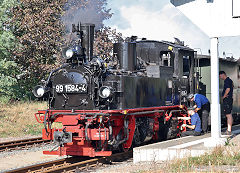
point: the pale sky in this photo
(160, 20)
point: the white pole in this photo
(215, 106)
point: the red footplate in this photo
(96, 133)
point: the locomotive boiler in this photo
(116, 104)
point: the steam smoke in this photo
(90, 13)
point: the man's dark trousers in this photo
(190, 133)
(204, 113)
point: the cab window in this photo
(166, 59)
(186, 65)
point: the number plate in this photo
(71, 88)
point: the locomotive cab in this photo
(173, 62)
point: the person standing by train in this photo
(202, 107)
(227, 100)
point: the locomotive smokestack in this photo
(88, 37)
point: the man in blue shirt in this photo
(227, 99)
(195, 123)
(202, 107)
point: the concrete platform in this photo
(177, 148)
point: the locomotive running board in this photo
(87, 152)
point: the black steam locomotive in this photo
(140, 74)
(126, 100)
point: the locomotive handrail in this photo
(45, 122)
(53, 71)
(100, 114)
(95, 114)
(146, 112)
(62, 113)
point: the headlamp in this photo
(39, 91)
(69, 53)
(105, 92)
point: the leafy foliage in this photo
(39, 31)
(7, 79)
(104, 39)
(7, 38)
(8, 68)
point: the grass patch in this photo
(17, 119)
(220, 156)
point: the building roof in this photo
(222, 59)
(175, 45)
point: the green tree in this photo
(8, 68)
(39, 30)
(8, 81)
(7, 38)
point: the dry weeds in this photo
(221, 159)
(17, 119)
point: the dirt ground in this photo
(23, 159)
(129, 167)
(235, 140)
(20, 158)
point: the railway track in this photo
(21, 144)
(72, 164)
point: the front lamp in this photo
(39, 91)
(69, 53)
(105, 92)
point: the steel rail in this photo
(72, 164)
(10, 145)
(76, 164)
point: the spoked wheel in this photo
(172, 130)
(137, 138)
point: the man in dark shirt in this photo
(195, 124)
(227, 99)
(202, 108)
